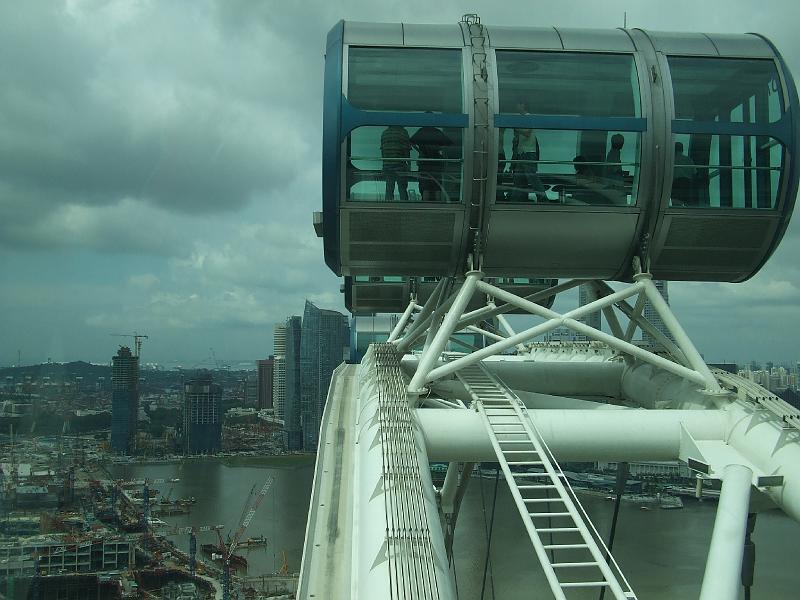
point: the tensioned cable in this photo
(487, 563)
(408, 535)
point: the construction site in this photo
(70, 530)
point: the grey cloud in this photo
(126, 227)
(164, 111)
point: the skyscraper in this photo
(324, 346)
(279, 370)
(202, 415)
(651, 315)
(265, 375)
(587, 294)
(291, 403)
(124, 400)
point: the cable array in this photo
(410, 552)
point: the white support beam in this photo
(487, 312)
(425, 313)
(485, 333)
(634, 317)
(674, 327)
(421, 327)
(506, 326)
(401, 324)
(449, 325)
(724, 564)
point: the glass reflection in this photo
(405, 79)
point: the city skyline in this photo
(174, 211)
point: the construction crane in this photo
(227, 550)
(137, 339)
(192, 532)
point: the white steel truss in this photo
(443, 315)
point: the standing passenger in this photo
(612, 170)
(525, 148)
(613, 175)
(395, 145)
(429, 142)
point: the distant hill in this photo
(58, 371)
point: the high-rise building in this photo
(250, 390)
(324, 346)
(279, 370)
(202, 415)
(587, 294)
(124, 400)
(291, 403)
(651, 315)
(265, 375)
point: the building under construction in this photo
(202, 415)
(124, 400)
(57, 554)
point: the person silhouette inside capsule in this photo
(683, 177)
(587, 189)
(525, 151)
(613, 175)
(396, 146)
(429, 143)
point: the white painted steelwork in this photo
(517, 444)
(666, 406)
(721, 580)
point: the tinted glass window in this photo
(568, 83)
(726, 90)
(724, 171)
(405, 79)
(568, 167)
(405, 164)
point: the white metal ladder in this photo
(570, 550)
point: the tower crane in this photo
(227, 550)
(137, 339)
(192, 532)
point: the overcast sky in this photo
(160, 161)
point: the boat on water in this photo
(253, 542)
(213, 551)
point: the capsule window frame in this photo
(717, 128)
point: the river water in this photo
(662, 552)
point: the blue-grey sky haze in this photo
(160, 161)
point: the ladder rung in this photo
(536, 487)
(515, 442)
(543, 500)
(515, 475)
(557, 529)
(550, 514)
(571, 565)
(519, 452)
(584, 584)
(564, 546)
(524, 462)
